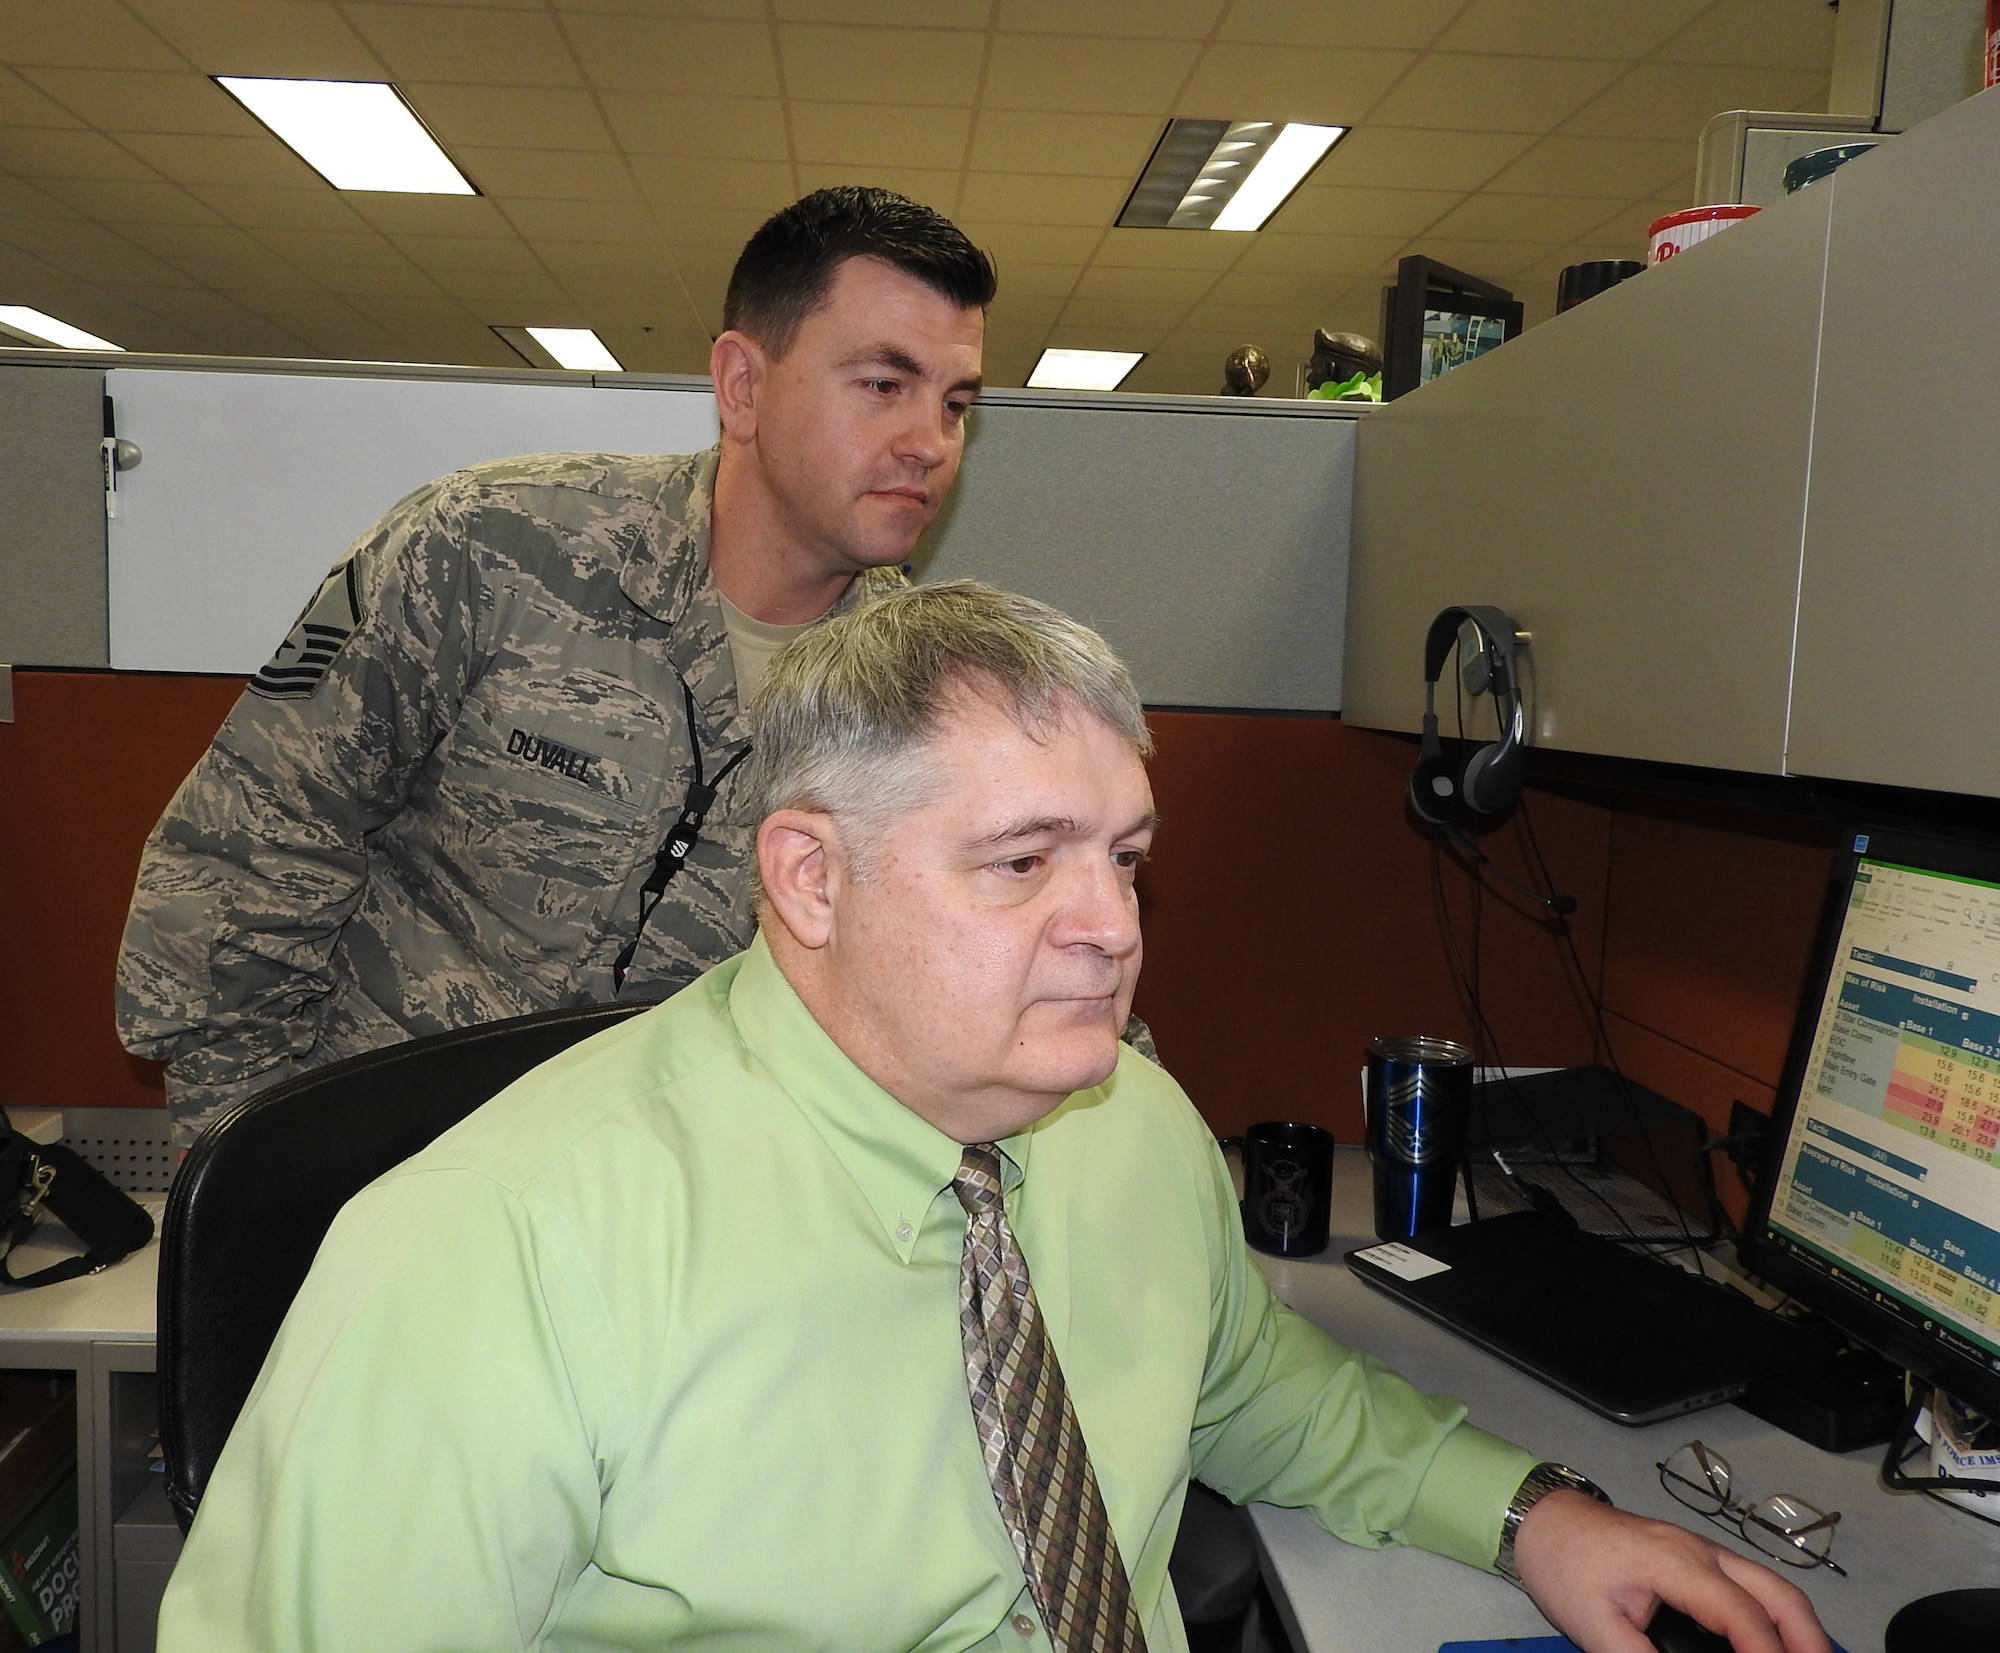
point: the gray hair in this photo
(847, 712)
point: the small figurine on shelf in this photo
(1345, 367)
(1244, 371)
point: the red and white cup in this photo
(1679, 231)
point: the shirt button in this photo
(1023, 1625)
(904, 1231)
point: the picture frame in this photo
(1436, 318)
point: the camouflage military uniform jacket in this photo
(436, 805)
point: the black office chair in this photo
(257, 1193)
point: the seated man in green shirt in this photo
(866, 1294)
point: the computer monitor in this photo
(1879, 1204)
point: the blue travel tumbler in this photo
(1419, 1099)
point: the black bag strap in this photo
(36, 1176)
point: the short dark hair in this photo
(785, 269)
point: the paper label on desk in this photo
(1403, 1261)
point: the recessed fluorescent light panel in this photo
(1224, 175)
(356, 134)
(18, 321)
(1083, 369)
(577, 348)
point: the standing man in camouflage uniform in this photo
(493, 768)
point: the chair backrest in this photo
(257, 1193)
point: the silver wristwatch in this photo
(1540, 1481)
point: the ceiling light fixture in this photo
(576, 348)
(1224, 175)
(356, 134)
(20, 322)
(1083, 369)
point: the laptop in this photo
(1634, 1339)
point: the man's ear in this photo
(737, 364)
(800, 865)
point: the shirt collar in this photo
(666, 563)
(899, 1161)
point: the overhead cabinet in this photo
(1743, 502)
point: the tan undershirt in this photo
(753, 645)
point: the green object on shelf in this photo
(1363, 387)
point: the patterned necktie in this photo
(1035, 1454)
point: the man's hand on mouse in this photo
(1598, 1573)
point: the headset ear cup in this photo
(1435, 789)
(1493, 777)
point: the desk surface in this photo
(117, 1306)
(1346, 1600)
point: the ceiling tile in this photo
(505, 117)
(190, 159)
(1490, 260)
(935, 188)
(606, 260)
(580, 221)
(1087, 76)
(1030, 198)
(192, 240)
(263, 37)
(1763, 34)
(133, 201)
(429, 214)
(1556, 218)
(262, 207)
(710, 228)
(445, 43)
(1411, 24)
(44, 152)
(1180, 287)
(914, 66)
(1568, 28)
(1038, 280)
(751, 129)
(1333, 254)
(743, 186)
(21, 199)
(23, 105)
(929, 14)
(1102, 146)
(1675, 103)
(1021, 315)
(1494, 94)
(1402, 157)
(354, 281)
(1089, 335)
(1273, 289)
(81, 34)
(1155, 316)
(130, 100)
(1331, 87)
(1156, 20)
(875, 134)
(466, 252)
(1172, 249)
(1320, 209)
(513, 298)
(1594, 166)
(324, 251)
(653, 54)
(410, 313)
(1032, 243)
(549, 174)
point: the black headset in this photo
(1445, 787)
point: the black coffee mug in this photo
(1287, 1187)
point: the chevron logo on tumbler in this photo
(1417, 1128)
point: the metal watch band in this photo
(1539, 1482)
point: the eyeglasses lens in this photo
(1698, 1477)
(1788, 1530)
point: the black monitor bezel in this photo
(1853, 1307)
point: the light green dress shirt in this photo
(661, 1348)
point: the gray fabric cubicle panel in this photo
(1209, 546)
(51, 517)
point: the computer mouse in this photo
(1952, 1621)
(1672, 1631)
